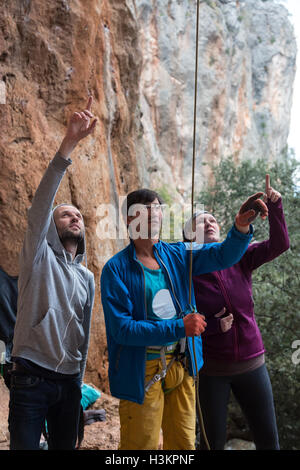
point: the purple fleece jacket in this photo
(232, 288)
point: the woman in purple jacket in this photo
(232, 344)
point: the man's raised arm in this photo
(39, 214)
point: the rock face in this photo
(137, 59)
(246, 70)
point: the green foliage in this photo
(276, 284)
(164, 192)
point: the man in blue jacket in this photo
(145, 297)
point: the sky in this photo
(293, 140)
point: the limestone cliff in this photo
(247, 54)
(137, 59)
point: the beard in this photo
(68, 235)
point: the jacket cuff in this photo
(60, 163)
(277, 204)
(243, 235)
(181, 328)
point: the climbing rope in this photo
(196, 378)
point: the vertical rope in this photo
(194, 148)
(196, 378)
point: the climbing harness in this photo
(161, 375)
(196, 377)
(177, 349)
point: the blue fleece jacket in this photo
(129, 332)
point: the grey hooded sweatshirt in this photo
(56, 293)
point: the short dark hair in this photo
(140, 196)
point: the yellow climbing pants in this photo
(169, 405)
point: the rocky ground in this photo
(102, 435)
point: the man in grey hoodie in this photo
(56, 295)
